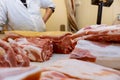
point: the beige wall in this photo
(86, 14)
(59, 16)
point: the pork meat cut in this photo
(12, 56)
(36, 49)
(99, 33)
(104, 53)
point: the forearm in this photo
(47, 14)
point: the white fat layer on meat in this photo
(102, 28)
(29, 48)
(84, 70)
(10, 40)
(21, 41)
(108, 51)
(19, 58)
(31, 57)
(49, 75)
(7, 60)
(35, 49)
(2, 51)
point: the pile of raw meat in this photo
(90, 44)
(69, 69)
(35, 49)
(98, 43)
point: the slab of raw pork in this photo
(62, 42)
(20, 73)
(99, 33)
(36, 49)
(12, 55)
(71, 69)
(107, 54)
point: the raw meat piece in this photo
(82, 54)
(104, 53)
(20, 73)
(99, 33)
(71, 69)
(61, 44)
(12, 56)
(36, 49)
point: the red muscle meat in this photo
(36, 49)
(12, 56)
(82, 54)
(62, 41)
(61, 44)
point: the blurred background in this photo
(85, 14)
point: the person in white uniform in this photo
(25, 15)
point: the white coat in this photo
(18, 17)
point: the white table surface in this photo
(56, 57)
(53, 59)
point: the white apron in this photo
(21, 18)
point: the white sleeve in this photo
(47, 3)
(3, 12)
